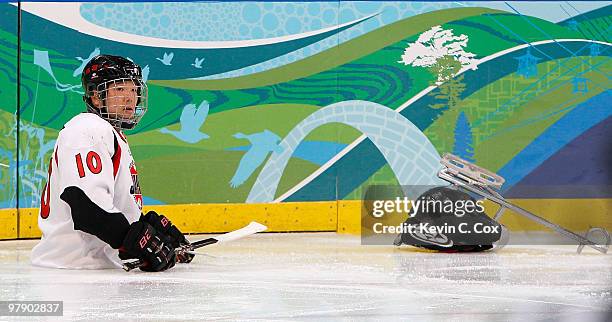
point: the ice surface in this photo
(325, 276)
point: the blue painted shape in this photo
(251, 13)
(594, 49)
(198, 63)
(192, 119)
(28, 200)
(527, 64)
(166, 59)
(41, 59)
(79, 70)
(581, 169)
(575, 122)
(580, 85)
(148, 201)
(317, 152)
(145, 73)
(8, 204)
(573, 25)
(219, 60)
(463, 146)
(262, 144)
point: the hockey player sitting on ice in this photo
(90, 212)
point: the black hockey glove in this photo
(147, 244)
(162, 224)
(138, 240)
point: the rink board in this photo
(335, 216)
(8, 224)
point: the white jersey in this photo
(92, 155)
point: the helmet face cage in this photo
(115, 83)
(123, 101)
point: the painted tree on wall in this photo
(447, 100)
(464, 142)
(443, 54)
(449, 96)
(440, 51)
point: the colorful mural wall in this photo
(301, 101)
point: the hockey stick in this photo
(250, 229)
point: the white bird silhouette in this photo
(198, 63)
(167, 60)
(191, 121)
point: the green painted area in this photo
(528, 28)
(278, 118)
(33, 163)
(498, 150)
(28, 135)
(204, 176)
(597, 28)
(152, 151)
(384, 176)
(8, 68)
(341, 54)
(491, 33)
(7, 141)
(162, 156)
(498, 139)
(373, 74)
(41, 102)
(45, 105)
(594, 24)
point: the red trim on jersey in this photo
(116, 160)
(121, 135)
(56, 158)
(45, 209)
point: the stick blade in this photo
(250, 229)
(257, 227)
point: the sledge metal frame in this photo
(485, 183)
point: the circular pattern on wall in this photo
(223, 21)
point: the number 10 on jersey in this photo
(94, 163)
